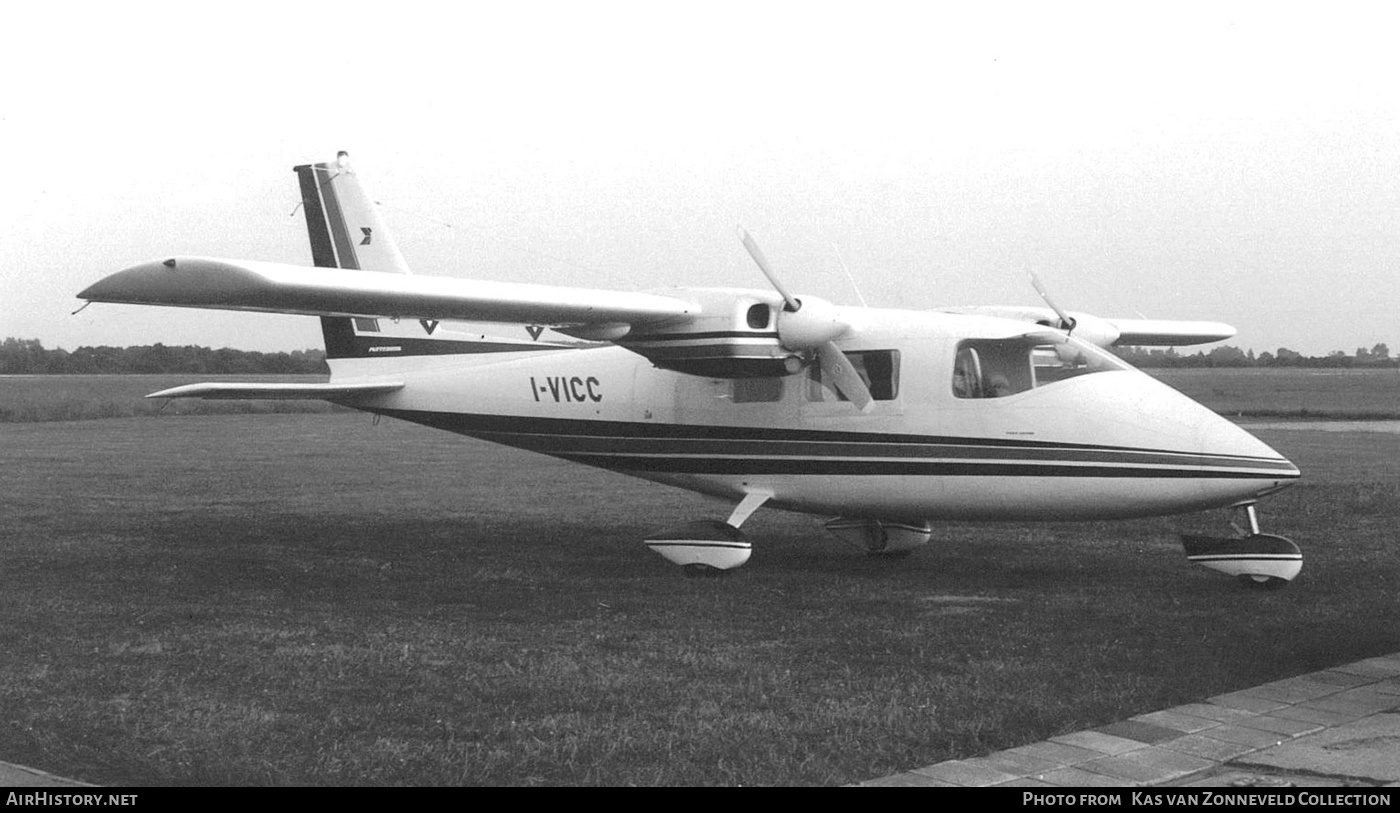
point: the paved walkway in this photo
(1335, 728)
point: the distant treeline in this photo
(1227, 356)
(28, 356)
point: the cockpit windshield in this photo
(996, 368)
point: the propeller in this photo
(837, 367)
(1067, 323)
(813, 325)
(793, 305)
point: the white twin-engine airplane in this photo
(884, 419)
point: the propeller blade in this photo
(838, 368)
(1065, 321)
(757, 254)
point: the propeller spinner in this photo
(813, 324)
(1067, 323)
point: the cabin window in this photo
(364, 325)
(759, 316)
(996, 368)
(879, 369)
(757, 390)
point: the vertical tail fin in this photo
(346, 231)
(343, 222)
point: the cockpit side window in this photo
(996, 368)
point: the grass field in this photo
(310, 599)
(1292, 392)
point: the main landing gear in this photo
(1256, 559)
(709, 548)
(880, 538)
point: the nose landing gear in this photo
(1257, 559)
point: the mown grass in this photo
(303, 599)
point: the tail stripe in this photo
(318, 229)
(315, 181)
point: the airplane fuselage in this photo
(1102, 443)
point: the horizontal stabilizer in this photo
(277, 392)
(248, 285)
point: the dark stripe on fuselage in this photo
(723, 351)
(584, 445)
(708, 449)
(866, 467)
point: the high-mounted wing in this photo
(1106, 332)
(1165, 332)
(248, 285)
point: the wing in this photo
(1165, 332)
(246, 285)
(1106, 332)
(692, 331)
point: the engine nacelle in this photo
(737, 337)
(1094, 330)
(810, 326)
(880, 537)
(1088, 327)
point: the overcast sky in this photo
(1225, 161)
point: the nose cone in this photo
(1219, 435)
(1233, 465)
(1222, 437)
